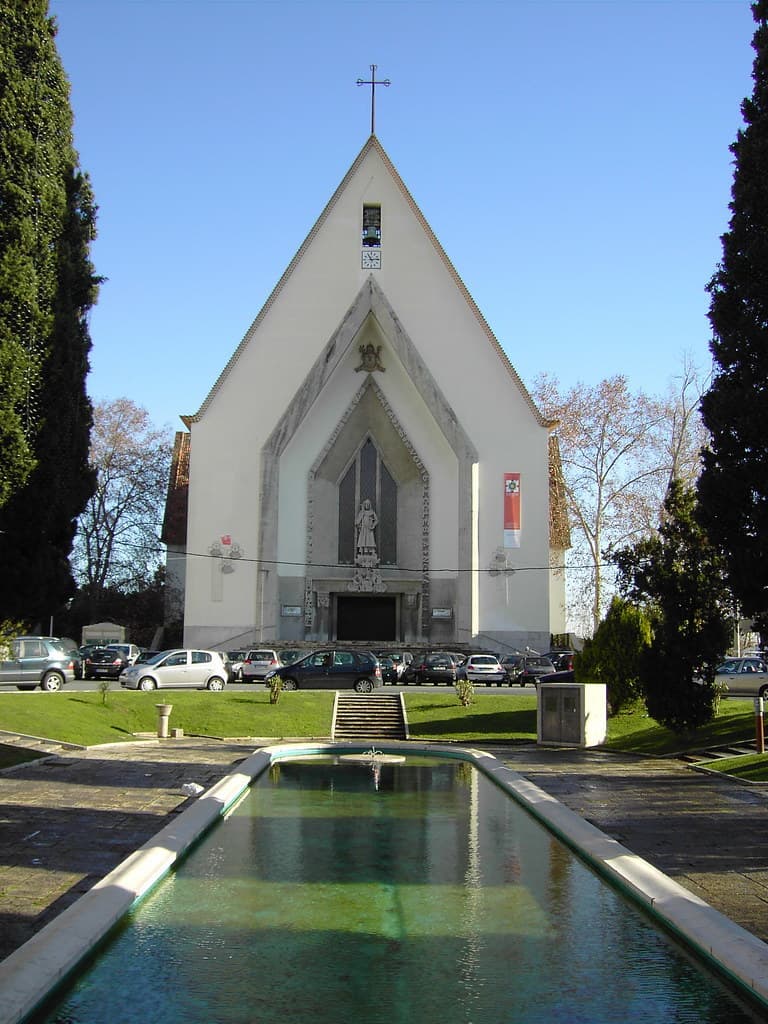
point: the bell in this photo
(371, 235)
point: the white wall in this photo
(275, 359)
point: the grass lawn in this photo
(750, 767)
(634, 732)
(85, 718)
(489, 719)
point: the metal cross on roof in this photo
(373, 83)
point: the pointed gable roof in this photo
(373, 144)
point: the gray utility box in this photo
(571, 714)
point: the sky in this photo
(572, 157)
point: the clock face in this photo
(371, 259)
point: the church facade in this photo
(369, 466)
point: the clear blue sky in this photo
(572, 157)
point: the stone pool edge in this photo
(34, 971)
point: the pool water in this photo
(398, 893)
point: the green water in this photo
(419, 893)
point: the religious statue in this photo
(366, 523)
(367, 576)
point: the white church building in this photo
(392, 481)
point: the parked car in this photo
(257, 663)
(401, 660)
(457, 656)
(566, 675)
(129, 651)
(331, 669)
(203, 670)
(437, 668)
(145, 656)
(483, 668)
(389, 673)
(236, 659)
(290, 654)
(562, 660)
(744, 677)
(31, 661)
(526, 668)
(104, 663)
(71, 647)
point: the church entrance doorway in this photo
(366, 618)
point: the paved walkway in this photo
(67, 821)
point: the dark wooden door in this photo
(371, 617)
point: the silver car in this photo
(258, 662)
(744, 677)
(201, 670)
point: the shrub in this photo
(275, 685)
(466, 691)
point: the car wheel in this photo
(763, 691)
(147, 683)
(52, 681)
(290, 684)
(216, 684)
(25, 687)
(364, 686)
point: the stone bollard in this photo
(163, 714)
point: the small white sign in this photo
(292, 611)
(442, 613)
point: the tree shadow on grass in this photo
(492, 725)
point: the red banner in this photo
(511, 510)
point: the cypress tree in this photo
(47, 286)
(733, 487)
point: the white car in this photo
(484, 668)
(201, 670)
(258, 662)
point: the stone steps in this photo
(715, 753)
(369, 716)
(39, 743)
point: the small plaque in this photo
(291, 611)
(442, 613)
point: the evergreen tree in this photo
(733, 488)
(678, 577)
(47, 287)
(613, 656)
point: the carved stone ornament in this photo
(370, 359)
(226, 550)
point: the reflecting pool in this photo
(388, 894)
